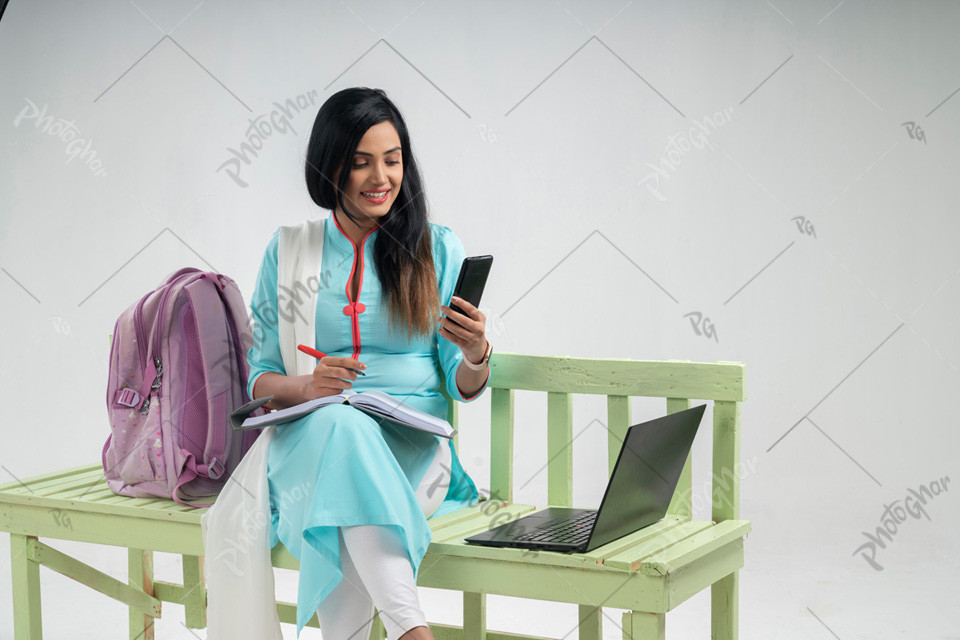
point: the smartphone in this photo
(472, 279)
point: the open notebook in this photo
(376, 403)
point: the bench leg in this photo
(639, 625)
(140, 576)
(591, 626)
(195, 605)
(474, 616)
(26, 590)
(724, 607)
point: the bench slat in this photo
(43, 486)
(77, 486)
(680, 503)
(618, 376)
(520, 556)
(99, 493)
(168, 504)
(149, 503)
(49, 476)
(693, 548)
(127, 501)
(631, 559)
(481, 522)
(501, 444)
(726, 461)
(79, 491)
(618, 421)
(626, 542)
(446, 519)
(559, 449)
(440, 522)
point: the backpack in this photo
(178, 369)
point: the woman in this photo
(349, 494)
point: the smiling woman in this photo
(360, 530)
(380, 161)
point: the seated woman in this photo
(350, 495)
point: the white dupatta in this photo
(241, 597)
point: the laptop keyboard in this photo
(573, 530)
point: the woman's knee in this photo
(341, 420)
(313, 433)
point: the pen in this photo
(319, 354)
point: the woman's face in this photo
(376, 172)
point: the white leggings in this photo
(377, 571)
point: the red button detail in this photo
(353, 309)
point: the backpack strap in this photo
(299, 258)
(214, 296)
(218, 357)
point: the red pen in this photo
(319, 354)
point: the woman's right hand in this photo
(331, 376)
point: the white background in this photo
(810, 228)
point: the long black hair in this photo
(402, 253)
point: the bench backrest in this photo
(677, 382)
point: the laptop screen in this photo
(645, 474)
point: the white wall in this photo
(813, 229)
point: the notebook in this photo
(638, 493)
(376, 403)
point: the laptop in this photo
(639, 491)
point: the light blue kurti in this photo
(338, 466)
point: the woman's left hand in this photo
(466, 330)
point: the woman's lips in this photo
(379, 200)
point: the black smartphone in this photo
(472, 279)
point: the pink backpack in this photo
(178, 368)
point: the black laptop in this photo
(638, 493)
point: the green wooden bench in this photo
(648, 573)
